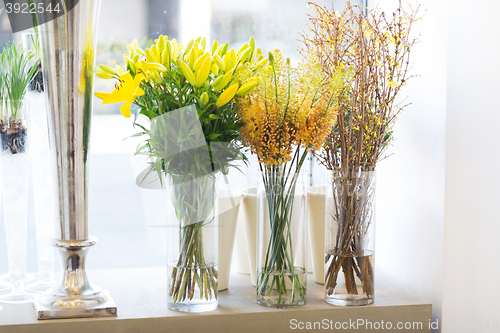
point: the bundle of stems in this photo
(192, 268)
(279, 183)
(370, 51)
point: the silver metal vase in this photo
(68, 46)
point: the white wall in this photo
(438, 221)
(471, 292)
(410, 198)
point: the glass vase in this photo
(4, 284)
(350, 237)
(193, 243)
(281, 238)
(44, 193)
(14, 182)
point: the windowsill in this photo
(140, 296)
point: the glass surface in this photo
(281, 239)
(193, 243)
(350, 238)
(14, 175)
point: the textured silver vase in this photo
(68, 46)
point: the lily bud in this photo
(155, 67)
(203, 99)
(243, 56)
(104, 75)
(242, 49)
(225, 80)
(227, 95)
(107, 69)
(215, 69)
(203, 72)
(218, 61)
(261, 63)
(247, 88)
(188, 74)
(201, 60)
(251, 42)
(150, 57)
(215, 45)
(188, 47)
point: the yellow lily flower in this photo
(128, 90)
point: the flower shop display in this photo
(289, 114)
(369, 54)
(14, 165)
(187, 94)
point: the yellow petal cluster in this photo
(219, 75)
(126, 91)
(291, 107)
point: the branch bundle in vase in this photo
(370, 52)
(187, 94)
(288, 115)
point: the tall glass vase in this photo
(281, 238)
(43, 191)
(193, 244)
(350, 237)
(14, 182)
(4, 284)
(41, 173)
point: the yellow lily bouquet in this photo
(188, 93)
(168, 77)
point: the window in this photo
(121, 214)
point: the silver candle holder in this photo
(68, 46)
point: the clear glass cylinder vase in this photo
(281, 238)
(350, 237)
(193, 243)
(44, 192)
(14, 175)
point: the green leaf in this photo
(213, 136)
(214, 116)
(149, 114)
